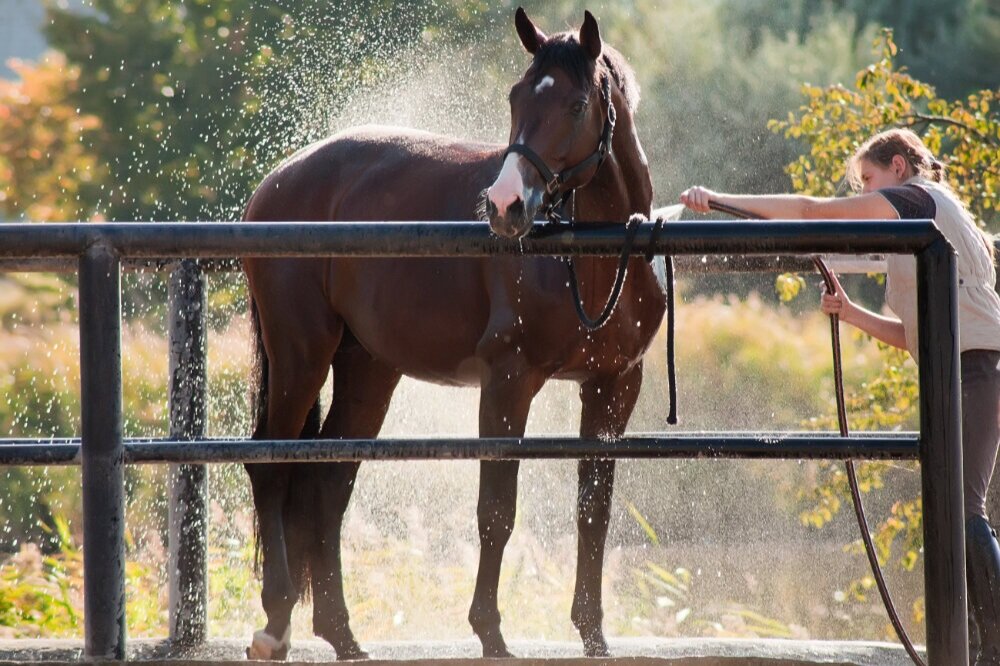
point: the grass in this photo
(677, 563)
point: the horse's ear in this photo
(590, 36)
(531, 37)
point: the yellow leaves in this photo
(834, 120)
(788, 285)
(42, 141)
(643, 523)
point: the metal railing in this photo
(100, 250)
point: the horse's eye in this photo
(578, 108)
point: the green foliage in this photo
(835, 120)
(46, 174)
(40, 594)
(955, 44)
(964, 134)
(199, 99)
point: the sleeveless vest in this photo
(978, 303)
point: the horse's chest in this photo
(619, 344)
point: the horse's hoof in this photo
(357, 654)
(597, 651)
(495, 648)
(351, 652)
(265, 647)
(497, 654)
(596, 647)
(347, 649)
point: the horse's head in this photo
(561, 121)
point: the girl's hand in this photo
(696, 198)
(837, 303)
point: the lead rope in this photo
(609, 306)
(852, 479)
(631, 227)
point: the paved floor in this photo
(630, 652)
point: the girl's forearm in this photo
(773, 206)
(887, 329)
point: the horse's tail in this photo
(258, 373)
(258, 404)
(259, 400)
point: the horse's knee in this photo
(495, 527)
(497, 504)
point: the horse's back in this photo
(378, 173)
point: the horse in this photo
(503, 324)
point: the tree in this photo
(835, 120)
(965, 134)
(954, 44)
(46, 172)
(199, 99)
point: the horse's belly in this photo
(422, 316)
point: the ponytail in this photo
(881, 148)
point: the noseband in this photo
(554, 182)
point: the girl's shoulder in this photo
(911, 201)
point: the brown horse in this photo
(504, 324)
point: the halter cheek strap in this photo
(555, 182)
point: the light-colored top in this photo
(978, 303)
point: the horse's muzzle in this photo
(514, 223)
(519, 217)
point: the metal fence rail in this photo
(102, 452)
(812, 445)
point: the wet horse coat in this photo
(504, 324)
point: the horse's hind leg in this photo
(504, 402)
(607, 406)
(270, 484)
(300, 347)
(361, 394)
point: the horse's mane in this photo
(563, 50)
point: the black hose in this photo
(852, 479)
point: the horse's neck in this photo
(622, 186)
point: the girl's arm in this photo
(872, 206)
(887, 329)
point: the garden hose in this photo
(852, 479)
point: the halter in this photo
(558, 196)
(554, 182)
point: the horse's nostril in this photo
(491, 209)
(516, 209)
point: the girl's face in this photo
(875, 177)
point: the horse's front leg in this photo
(607, 406)
(508, 387)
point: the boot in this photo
(982, 566)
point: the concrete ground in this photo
(628, 652)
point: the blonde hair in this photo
(881, 148)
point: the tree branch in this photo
(922, 118)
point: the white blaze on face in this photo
(508, 187)
(546, 82)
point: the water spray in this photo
(852, 479)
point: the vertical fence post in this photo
(941, 456)
(188, 483)
(102, 447)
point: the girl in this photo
(899, 178)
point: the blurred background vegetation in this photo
(168, 110)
